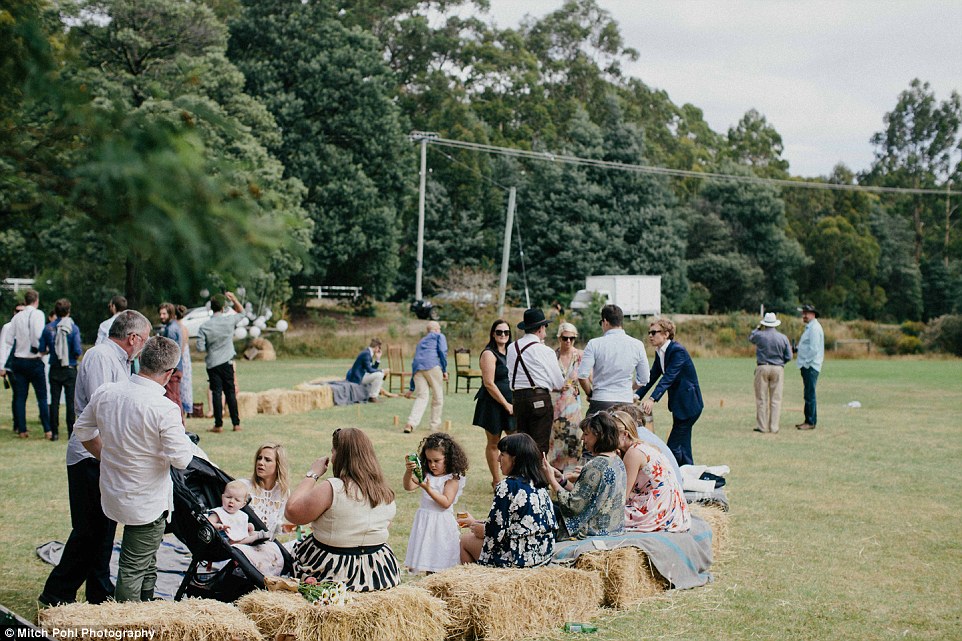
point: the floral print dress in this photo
(520, 529)
(656, 502)
(566, 428)
(596, 504)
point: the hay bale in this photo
(501, 604)
(322, 396)
(295, 402)
(185, 620)
(247, 404)
(265, 349)
(404, 612)
(718, 521)
(267, 401)
(627, 575)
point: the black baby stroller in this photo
(197, 490)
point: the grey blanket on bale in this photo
(683, 558)
(346, 392)
(715, 498)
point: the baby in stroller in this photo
(229, 520)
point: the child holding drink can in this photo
(433, 545)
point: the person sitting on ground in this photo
(350, 514)
(655, 501)
(594, 504)
(367, 371)
(519, 531)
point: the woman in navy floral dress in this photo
(594, 505)
(520, 528)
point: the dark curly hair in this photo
(455, 460)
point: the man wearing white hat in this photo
(772, 351)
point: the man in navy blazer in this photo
(366, 370)
(675, 373)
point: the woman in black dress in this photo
(493, 411)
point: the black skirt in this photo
(490, 414)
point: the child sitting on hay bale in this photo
(520, 528)
(433, 545)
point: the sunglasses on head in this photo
(502, 332)
(568, 338)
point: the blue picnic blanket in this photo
(682, 558)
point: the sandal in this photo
(408, 429)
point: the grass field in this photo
(852, 531)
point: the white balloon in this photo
(260, 322)
(267, 314)
(255, 331)
(204, 293)
(240, 333)
(241, 291)
(248, 307)
(244, 322)
(251, 315)
(282, 326)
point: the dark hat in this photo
(809, 308)
(533, 319)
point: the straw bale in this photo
(267, 401)
(322, 395)
(626, 574)
(265, 349)
(247, 404)
(295, 402)
(404, 612)
(501, 603)
(185, 620)
(718, 520)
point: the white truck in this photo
(636, 295)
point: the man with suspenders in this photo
(534, 372)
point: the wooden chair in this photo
(462, 364)
(395, 363)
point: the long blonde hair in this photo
(355, 463)
(280, 462)
(625, 420)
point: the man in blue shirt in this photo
(61, 339)
(430, 367)
(811, 353)
(772, 351)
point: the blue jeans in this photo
(29, 371)
(809, 379)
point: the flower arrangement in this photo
(323, 592)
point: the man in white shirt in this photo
(533, 372)
(6, 354)
(116, 305)
(137, 434)
(616, 363)
(28, 365)
(86, 555)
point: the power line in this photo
(679, 173)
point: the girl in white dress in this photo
(434, 543)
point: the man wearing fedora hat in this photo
(772, 351)
(811, 353)
(534, 372)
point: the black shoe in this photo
(54, 437)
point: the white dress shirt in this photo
(104, 363)
(103, 332)
(26, 328)
(6, 343)
(142, 439)
(613, 361)
(660, 353)
(541, 361)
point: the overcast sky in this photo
(822, 73)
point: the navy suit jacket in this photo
(679, 380)
(363, 364)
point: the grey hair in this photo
(160, 354)
(128, 322)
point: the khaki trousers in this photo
(424, 381)
(768, 396)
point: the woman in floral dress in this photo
(594, 505)
(519, 531)
(565, 430)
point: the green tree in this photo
(331, 94)
(755, 143)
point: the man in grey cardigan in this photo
(772, 351)
(216, 337)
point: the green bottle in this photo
(418, 471)
(580, 627)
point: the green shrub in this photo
(726, 336)
(887, 342)
(944, 334)
(909, 345)
(912, 328)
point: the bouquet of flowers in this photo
(323, 592)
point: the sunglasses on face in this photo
(502, 332)
(568, 338)
(652, 332)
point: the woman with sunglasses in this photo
(349, 513)
(493, 410)
(565, 430)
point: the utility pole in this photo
(506, 253)
(423, 137)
